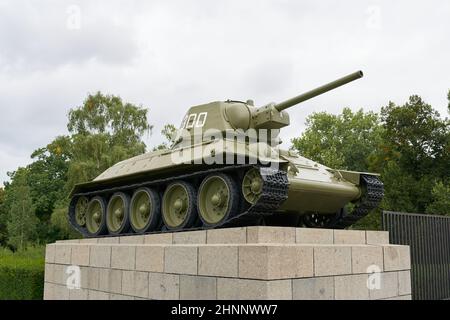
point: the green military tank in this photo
(224, 169)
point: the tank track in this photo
(274, 193)
(371, 198)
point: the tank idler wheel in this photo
(320, 220)
(218, 199)
(96, 217)
(252, 186)
(80, 211)
(145, 210)
(117, 214)
(179, 206)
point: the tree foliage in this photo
(169, 133)
(441, 199)
(448, 98)
(125, 123)
(3, 217)
(46, 178)
(104, 131)
(22, 222)
(415, 155)
(344, 141)
(416, 137)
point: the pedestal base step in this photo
(237, 263)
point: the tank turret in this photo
(238, 115)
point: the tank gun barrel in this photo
(315, 92)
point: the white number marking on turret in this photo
(189, 120)
(201, 119)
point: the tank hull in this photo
(300, 187)
(311, 196)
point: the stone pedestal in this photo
(238, 263)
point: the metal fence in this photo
(429, 238)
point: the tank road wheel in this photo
(96, 217)
(218, 198)
(179, 206)
(252, 185)
(117, 214)
(145, 209)
(80, 211)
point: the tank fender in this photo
(351, 176)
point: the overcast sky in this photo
(169, 55)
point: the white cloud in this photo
(40, 37)
(171, 55)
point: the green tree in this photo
(3, 218)
(46, 178)
(417, 137)
(169, 133)
(343, 141)
(103, 131)
(441, 199)
(415, 153)
(448, 98)
(22, 222)
(59, 220)
(404, 192)
(107, 114)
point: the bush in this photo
(60, 222)
(22, 274)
